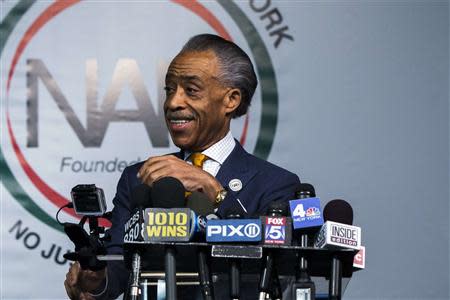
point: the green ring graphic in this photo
(264, 68)
(267, 79)
(7, 177)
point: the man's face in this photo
(196, 103)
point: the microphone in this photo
(164, 221)
(235, 264)
(204, 210)
(277, 230)
(160, 222)
(338, 210)
(277, 226)
(307, 218)
(168, 192)
(305, 190)
(234, 229)
(140, 198)
(173, 223)
(338, 232)
(200, 203)
(305, 211)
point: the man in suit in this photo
(208, 83)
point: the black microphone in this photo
(140, 199)
(339, 211)
(200, 203)
(277, 231)
(204, 209)
(305, 190)
(235, 211)
(304, 288)
(168, 192)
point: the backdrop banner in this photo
(345, 90)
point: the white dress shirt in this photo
(216, 154)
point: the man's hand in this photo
(193, 178)
(80, 282)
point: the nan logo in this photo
(69, 118)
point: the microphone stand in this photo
(135, 290)
(335, 286)
(235, 267)
(303, 288)
(277, 293)
(266, 276)
(206, 284)
(171, 275)
(136, 268)
(269, 283)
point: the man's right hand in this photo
(192, 178)
(80, 282)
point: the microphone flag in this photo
(277, 230)
(233, 230)
(359, 261)
(338, 235)
(306, 213)
(167, 225)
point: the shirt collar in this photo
(219, 151)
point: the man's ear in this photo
(232, 100)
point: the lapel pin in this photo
(235, 185)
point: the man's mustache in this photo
(179, 115)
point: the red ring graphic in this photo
(53, 10)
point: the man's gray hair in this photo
(236, 68)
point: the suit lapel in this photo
(179, 154)
(235, 168)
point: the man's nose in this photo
(177, 100)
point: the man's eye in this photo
(169, 89)
(191, 90)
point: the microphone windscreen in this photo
(278, 208)
(200, 204)
(339, 211)
(235, 211)
(168, 192)
(305, 189)
(141, 196)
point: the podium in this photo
(320, 268)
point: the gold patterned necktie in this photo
(198, 159)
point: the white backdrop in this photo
(353, 97)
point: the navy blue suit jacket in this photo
(262, 183)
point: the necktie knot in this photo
(198, 159)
